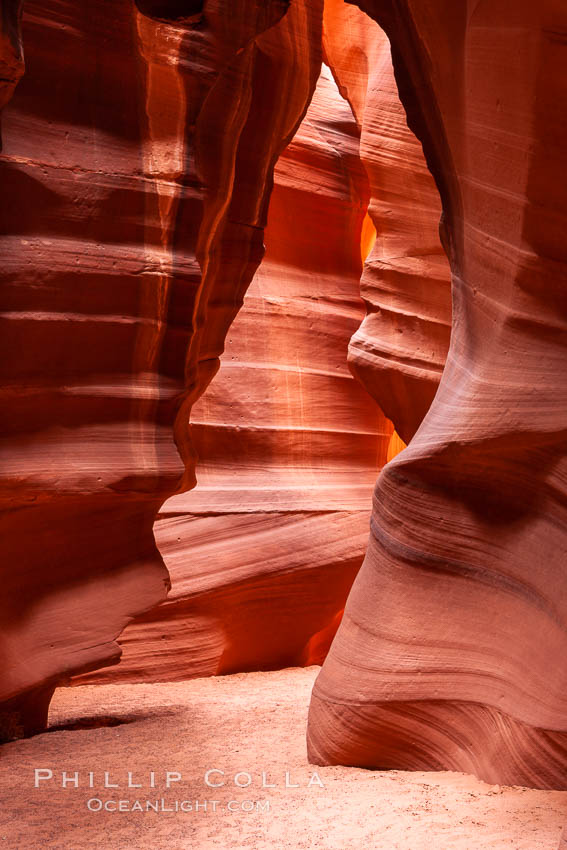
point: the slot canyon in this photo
(284, 355)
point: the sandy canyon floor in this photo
(252, 724)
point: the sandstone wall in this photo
(451, 653)
(136, 169)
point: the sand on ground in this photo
(250, 726)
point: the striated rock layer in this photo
(263, 552)
(452, 651)
(399, 351)
(137, 163)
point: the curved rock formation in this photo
(135, 192)
(262, 553)
(399, 351)
(451, 653)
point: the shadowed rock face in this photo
(262, 553)
(451, 653)
(11, 52)
(171, 10)
(136, 171)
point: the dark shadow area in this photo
(99, 721)
(170, 10)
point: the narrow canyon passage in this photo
(263, 551)
(364, 207)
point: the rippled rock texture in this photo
(137, 159)
(262, 553)
(399, 351)
(451, 653)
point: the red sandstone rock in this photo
(399, 351)
(136, 172)
(451, 653)
(262, 553)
